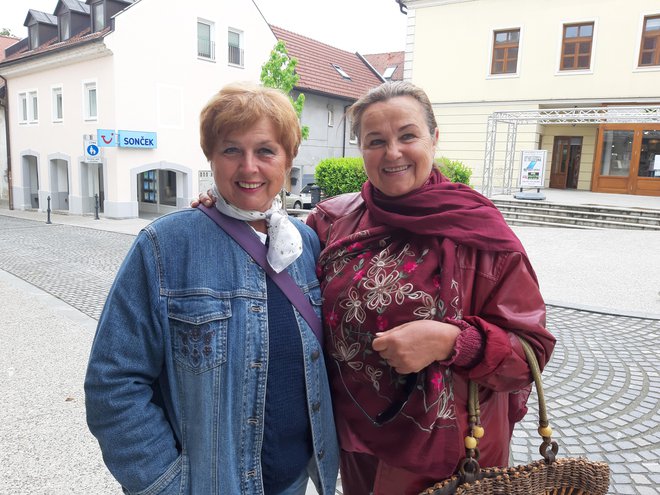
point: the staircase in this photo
(544, 214)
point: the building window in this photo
(33, 107)
(205, 44)
(576, 46)
(91, 110)
(389, 72)
(22, 108)
(505, 52)
(64, 24)
(98, 16)
(28, 108)
(57, 105)
(331, 116)
(649, 53)
(341, 71)
(33, 35)
(234, 42)
(352, 137)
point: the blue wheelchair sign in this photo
(92, 150)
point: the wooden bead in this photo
(470, 443)
(545, 431)
(478, 431)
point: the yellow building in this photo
(578, 79)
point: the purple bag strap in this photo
(243, 235)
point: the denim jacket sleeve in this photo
(136, 439)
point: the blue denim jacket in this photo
(176, 381)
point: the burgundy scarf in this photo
(446, 209)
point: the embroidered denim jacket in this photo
(176, 382)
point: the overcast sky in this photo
(365, 26)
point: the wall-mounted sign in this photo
(532, 168)
(91, 150)
(137, 139)
(106, 138)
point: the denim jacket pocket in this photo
(314, 297)
(168, 484)
(198, 324)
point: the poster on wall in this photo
(205, 180)
(532, 168)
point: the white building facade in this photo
(478, 59)
(137, 79)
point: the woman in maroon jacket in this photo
(425, 287)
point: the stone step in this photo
(553, 214)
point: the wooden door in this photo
(561, 156)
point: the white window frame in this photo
(22, 108)
(211, 26)
(28, 107)
(57, 91)
(352, 138)
(331, 116)
(87, 87)
(241, 61)
(33, 107)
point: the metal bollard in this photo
(48, 211)
(96, 207)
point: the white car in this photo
(294, 201)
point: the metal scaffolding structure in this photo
(552, 116)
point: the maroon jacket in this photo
(498, 295)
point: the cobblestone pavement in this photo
(602, 385)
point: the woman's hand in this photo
(411, 347)
(207, 199)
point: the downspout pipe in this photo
(6, 109)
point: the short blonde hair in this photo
(387, 91)
(238, 106)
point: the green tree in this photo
(5, 32)
(340, 175)
(280, 72)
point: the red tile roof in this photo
(381, 61)
(6, 42)
(316, 71)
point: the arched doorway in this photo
(161, 188)
(30, 178)
(92, 183)
(59, 184)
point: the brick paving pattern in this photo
(602, 385)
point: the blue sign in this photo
(137, 139)
(106, 137)
(92, 150)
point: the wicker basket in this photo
(547, 476)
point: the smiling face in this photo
(397, 145)
(249, 166)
